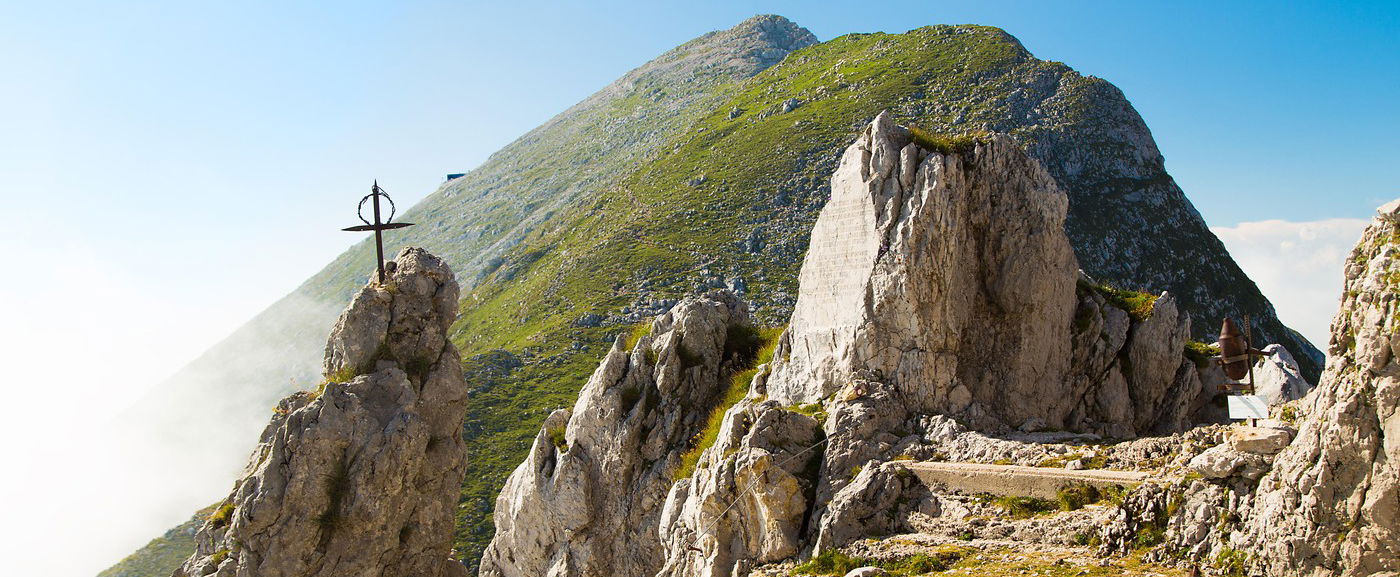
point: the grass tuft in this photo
(556, 436)
(1137, 304)
(223, 515)
(766, 343)
(948, 143)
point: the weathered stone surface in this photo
(948, 274)
(950, 278)
(363, 478)
(1223, 461)
(877, 501)
(1258, 440)
(1277, 378)
(1331, 505)
(588, 499)
(747, 501)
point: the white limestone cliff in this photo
(362, 477)
(587, 500)
(1331, 504)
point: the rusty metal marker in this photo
(377, 226)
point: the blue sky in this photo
(171, 168)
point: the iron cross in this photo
(377, 226)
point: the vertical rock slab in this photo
(1331, 504)
(587, 500)
(949, 274)
(361, 477)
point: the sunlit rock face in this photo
(950, 278)
(587, 500)
(1331, 504)
(361, 478)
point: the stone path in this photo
(1017, 480)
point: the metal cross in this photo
(377, 226)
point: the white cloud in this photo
(1298, 266)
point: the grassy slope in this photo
(163, 554)
(729, 191)
(750, 170)
(658, 235)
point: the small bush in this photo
(1018, 507)
(1075, 497)
(948, 143)
(556, 436)
(1201, 353)
(814, 410)
(830, 562)
(218, 557)
(223, 515)
(1231, 562)
(1137, 304)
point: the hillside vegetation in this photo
(707, 167)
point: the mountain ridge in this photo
(559, 254)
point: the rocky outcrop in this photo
(1331, 504)
(749, 498)
(588, 500)
(362, 476)
(949, 278)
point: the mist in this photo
(90, 485)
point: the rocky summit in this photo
(944, 345)
(708, 168)
(362, 476)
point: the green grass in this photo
(754, 345)
(635, 335)
(1138, 304)
(948, 143)
(223, 515)
(1200, 352)
(1018, 507)
(835, 562)
(814, 410)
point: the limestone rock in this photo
(949, 277)
(747, 501)
(948, 274)
(1277, 377)
(1224, 461)
(877, 502)
(1258, 440)
(362, 478)
(866, 572)
(1331, 505)
(588, 499)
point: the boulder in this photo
(1258, 440)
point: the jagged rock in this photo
(950, 277)
(362, 478)
(866, 572)
(877, 501)
(1331, 505)
(1277, 378)
(587, 501)
(748, 499)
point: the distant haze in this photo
(172, 168)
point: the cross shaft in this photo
(378, 226)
